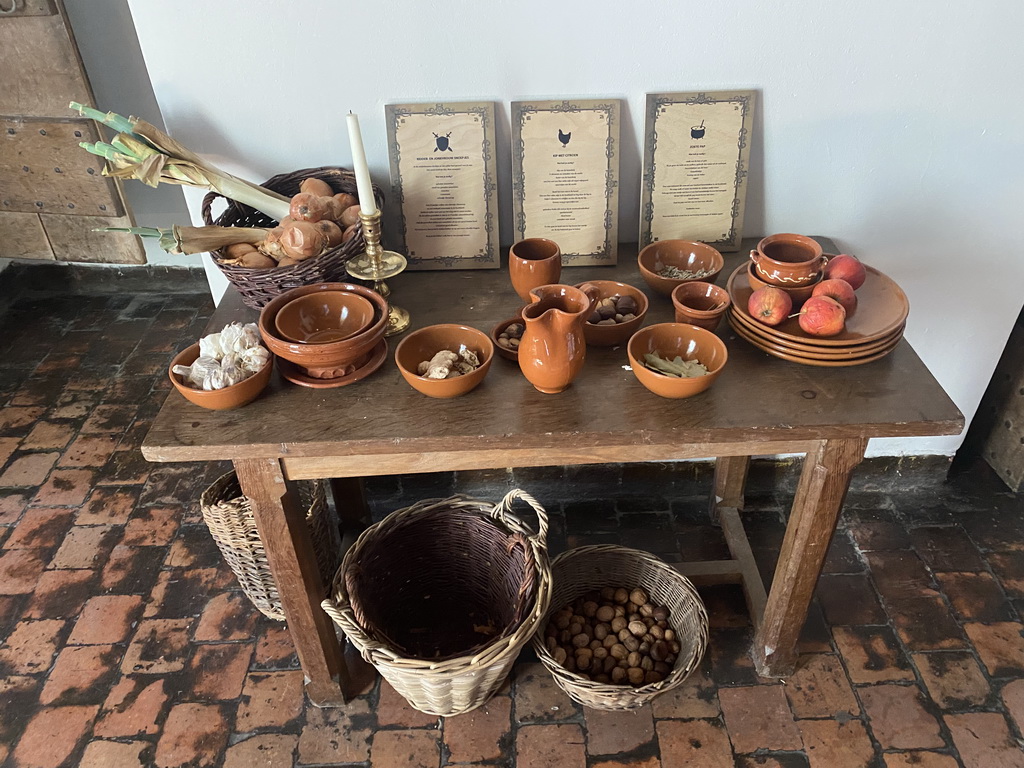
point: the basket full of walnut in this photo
(623, 627)
(441, 596)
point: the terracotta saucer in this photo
(294, 374)
(882, 307)
(764, 333)
(830, 363)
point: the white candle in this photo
(367, 203)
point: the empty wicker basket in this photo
(441, 596)
(581, 570)
(229, 518)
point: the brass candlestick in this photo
(378, 265)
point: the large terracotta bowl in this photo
(426, 342)
(323, 317)
(682, 254)
(333, 359)
(610, 335)
(671, 339)
(235, 396)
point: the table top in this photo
(606, 414)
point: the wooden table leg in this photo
(349, 494)
(819, 497)
(282, 526)
(730, 482)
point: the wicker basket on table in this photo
(584, 569)
(259, 286)
(441, 596)
(229, 517)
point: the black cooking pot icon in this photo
(697, 131)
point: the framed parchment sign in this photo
(565, 176)
(444, 178)
(696, 157)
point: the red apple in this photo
(769, 305)
(846, 267)
(822, 316)
(837, 289)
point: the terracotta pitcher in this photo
(552, 350)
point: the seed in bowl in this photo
(679, 368)
(509, 338)
(675, 273)
(614, 310)
(446, 364)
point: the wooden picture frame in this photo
(444, 182)
(565, 176)
(696, 163)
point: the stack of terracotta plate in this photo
(872, 331)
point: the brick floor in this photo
(125, 640)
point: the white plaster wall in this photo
(117, 73)
(895, 128)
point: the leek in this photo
(180, 239)
(144, 152)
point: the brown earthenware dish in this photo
(426, 342)
(668, 340)
(701, 304)
(235, 396)
(682, 254)
(508, 354)
(610, 335)
(332, 359)
(323, 317)
(799, 294)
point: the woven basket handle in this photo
(503, 511)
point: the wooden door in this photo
(52, 192)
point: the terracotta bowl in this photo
(235, 396)
(426, 342)
(683, 254)
(798, 294)
(700, 304)
(610, 335)
(335, 358)
(323, 317)
(669, 340)
(508, 354)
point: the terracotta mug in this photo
(701, 304)
(788, 259)
(532, 263)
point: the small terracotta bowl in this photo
(700, 304)
(610, 335)
(508, 354)
(235, 396)
(426, 342)
(334, 358)
(320, 318)
(682, 254)
(669, 340)
(798, 294)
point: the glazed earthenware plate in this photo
(764, 333)
(295, 375)
(882, 307)
(779, 352)
(822, 353)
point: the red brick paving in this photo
(124, 640)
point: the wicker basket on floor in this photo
(229, 518)
(259, 286)
(441, 596)
(582, 570)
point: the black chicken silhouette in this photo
(564, 137)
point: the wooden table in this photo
(759, 406)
